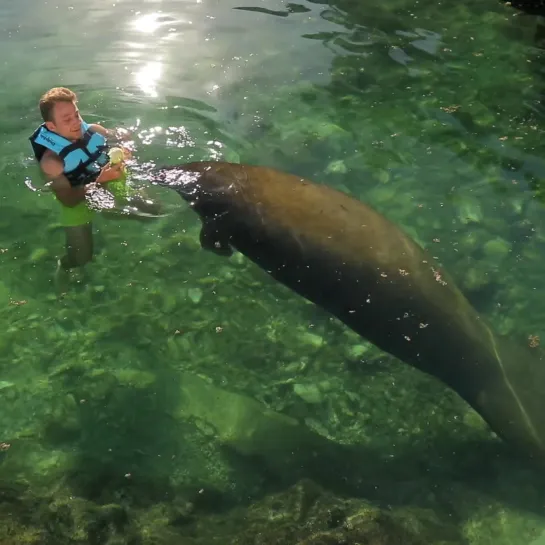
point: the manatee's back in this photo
(341, 254)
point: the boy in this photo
(73, 157)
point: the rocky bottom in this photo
(303, 514)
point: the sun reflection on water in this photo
(154, 42)
(148, 76)
(147, 23)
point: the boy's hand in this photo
(127, 153)
(109, 173)
(122, 135)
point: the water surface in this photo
(430, 112)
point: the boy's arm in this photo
(70, 196)
(117, 135)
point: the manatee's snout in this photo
(207, 187)
(183, 180)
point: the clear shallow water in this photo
(430, 113)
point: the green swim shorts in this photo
(72, 216)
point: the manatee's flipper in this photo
(212, 239)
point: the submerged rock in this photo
(195, 294)
(470, 211)
(310, 393)
(497, 249)
(357, 351)
(336, 167)
(305, 514)
(248, 427)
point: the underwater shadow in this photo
(468, 470)
(125, 441)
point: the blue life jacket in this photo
(83, 159)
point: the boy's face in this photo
(66, 120)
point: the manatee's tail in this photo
(513, 401)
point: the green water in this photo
(167, 399)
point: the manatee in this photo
(353, 262)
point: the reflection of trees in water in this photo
(463, 76)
